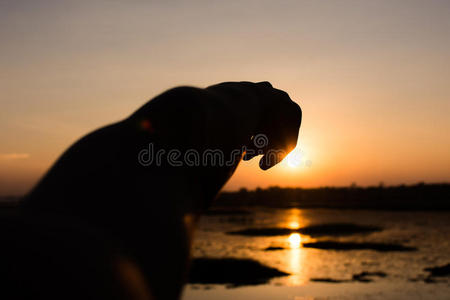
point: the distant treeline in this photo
(404, 197)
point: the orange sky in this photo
(372, 78)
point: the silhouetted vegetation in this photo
(413, 197)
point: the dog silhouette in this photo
(145, 207)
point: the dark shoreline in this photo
(317, 230)
(418, 197)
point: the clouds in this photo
(14, 156)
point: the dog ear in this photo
(265, 84)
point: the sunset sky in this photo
(372, 78)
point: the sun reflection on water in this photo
(293, 219)
(295, 240)
(295, 257)
(294, 225)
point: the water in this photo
(427, 231)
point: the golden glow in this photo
(294, 159)
(296, 263)
(297, 161)
(295, 240)
(342, 135)
(293, 219)
(294, 225)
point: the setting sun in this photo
(294, 158)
